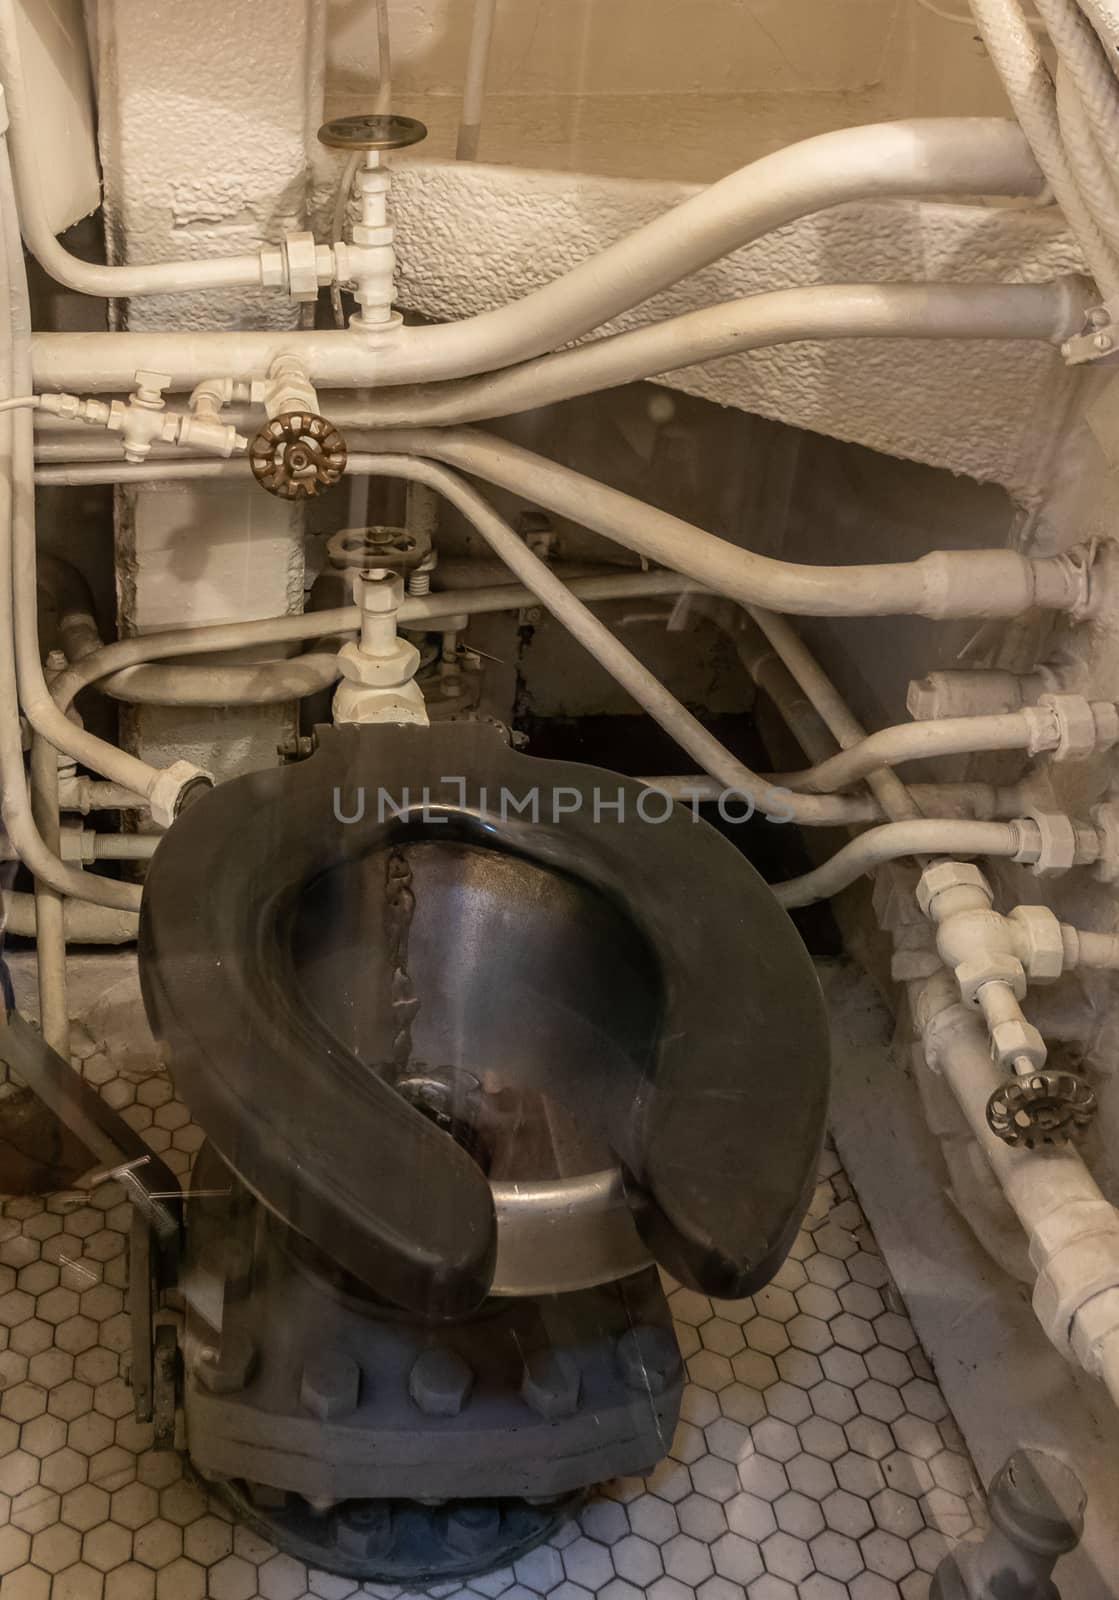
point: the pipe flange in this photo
(296, 454)
(1043, 1108)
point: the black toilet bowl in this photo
(628, 959)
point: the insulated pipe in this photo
(935, 156)
(82, 923)
(1052, 312)
(1018, 61)
(1018, 840)
(1093, 173)
(474, 81)
(953, 583)
(918, 741)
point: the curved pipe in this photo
(127, 670)
(1017, 840)
(16, 807)
(915, 741)
(949, 802)
(937, 156)
(1042, 311)
(165, 277)
(955, 583)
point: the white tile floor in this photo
(815, 1458)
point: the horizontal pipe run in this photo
(946, 583)
(87, 277)
(916, 741)
(83, 922)
(89, 363)
(1049, 312)
(120, 665)
(1017, 840)
(935, 156)
(951, 802)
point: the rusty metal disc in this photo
(297, 454)
(370, 131)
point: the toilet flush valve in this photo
(379, 667)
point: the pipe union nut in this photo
(1041, 946)
(1082, 728)
(1014, 1038)
(1057, 844)
(995, 966)
(379, 672)
(170, 791)
(1106, 819)
(1076, 1252)
(944, 875)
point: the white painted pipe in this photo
(34, 696)
(918, 741)
(973, 156)
(82, 922)
(1067, 1219)
(126, 669)
(1051, 312)
(1018, 840)
(894, 796)
(85, 845)
(1087, 949)
(165, 277)
(474, 80)
(948, 801)
(18, 819)
(945, 583)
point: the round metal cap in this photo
(372, 132)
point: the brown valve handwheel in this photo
(1042, 1108)
(297, 454)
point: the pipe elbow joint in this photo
(174, 788)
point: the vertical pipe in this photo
(474, 83)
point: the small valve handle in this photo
(297, 454)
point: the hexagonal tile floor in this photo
(815, 1458)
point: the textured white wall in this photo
(208, 115)
(472, 237)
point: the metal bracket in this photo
(1099, 342)
(149, 1184)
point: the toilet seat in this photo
(715, 1101)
